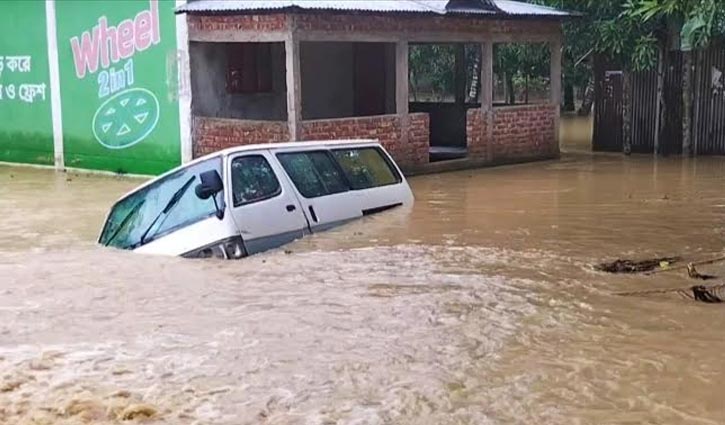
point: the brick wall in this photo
(475, 134)
(352, 22)
(213, 134)
(519, 132)
(270, 22)
(524, 132)
(416, 148)
(385, 128)
(410, 23)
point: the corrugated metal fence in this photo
(608, 113)
(671, 129)
(644, 111)
(708, 121)
(709, 110)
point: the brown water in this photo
(575, 133)
(478, 306)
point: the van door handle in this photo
(312, 213)
(290, 207)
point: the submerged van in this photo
(248, 199)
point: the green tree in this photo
(520, 64)
(601, 28)
(432, 70)
(701, 20)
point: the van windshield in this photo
(140, 217)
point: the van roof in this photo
(287, 145)
(276, 146)
(254, 147)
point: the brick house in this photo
(285, 70)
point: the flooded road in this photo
(478, 306)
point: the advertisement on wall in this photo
(26, 129)
(118, 84)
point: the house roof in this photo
(437, 7)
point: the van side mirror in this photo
(211, 184)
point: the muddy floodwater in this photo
(477, 306)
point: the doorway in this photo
(444, 83)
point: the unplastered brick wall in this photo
(385, 128)
(416, 148)
(353, 22)
(407, 23)
(270, 22)
(476, 134)
(213, 134)
(524, 132)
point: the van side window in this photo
(253, 180)
(314, 173)
(366, 167)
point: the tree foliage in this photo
(432, 67)
(521, 64)
(699, 19)
(605, 27)
(629, 31)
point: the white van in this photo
(248, 199)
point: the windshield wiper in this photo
(175, 198)
(125, 221)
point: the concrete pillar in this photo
(555, 78)
(401, 78)
(55, 104)
(294, 86)
(460, 73)
(184, 86)
(401, 89)
(487, 96)
(555, 50)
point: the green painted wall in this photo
(119, 84)
(26, 129)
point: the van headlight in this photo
(226, 249)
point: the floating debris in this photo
(692, 273)
(712, 294)
(694, 263)
(631, 266)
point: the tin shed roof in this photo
(439, 7)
